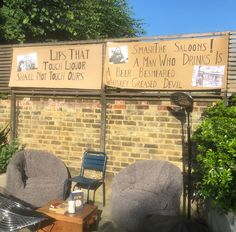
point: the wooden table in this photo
(78, 222)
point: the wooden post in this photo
(103, 108)
(103, 124)
(13, 116)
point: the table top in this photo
(78, 217)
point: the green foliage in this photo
(40, 21)
(7, 150)
(216, 156)
(6, 153)
(3, 135)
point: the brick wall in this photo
(135, 129)
(64, 127)
(139, 130)
(4, 112)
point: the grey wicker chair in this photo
(36, 177)
(144, 188)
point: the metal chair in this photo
(92, 161)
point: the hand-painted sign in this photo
(65, 66)
(187, 64)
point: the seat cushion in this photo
(40, 190)
(41, 182)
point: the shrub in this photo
(7, 149)
(216, 156)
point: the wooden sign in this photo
(65, 66)
(187, 64)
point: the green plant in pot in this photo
(215, 167)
